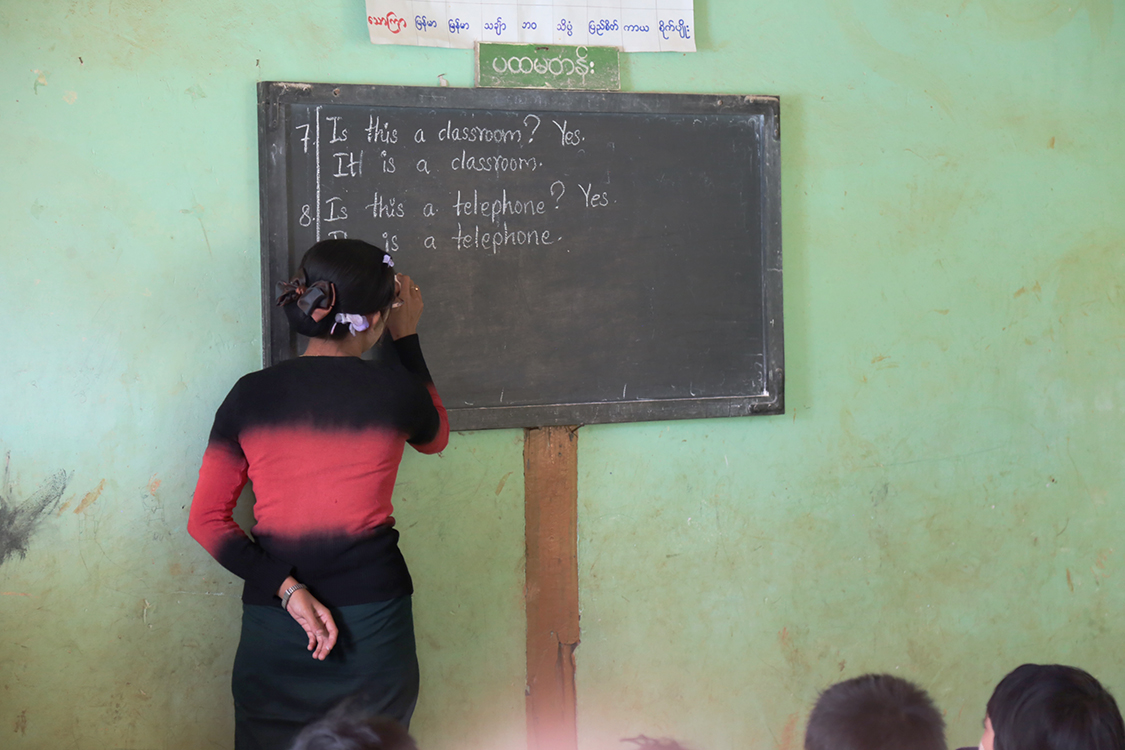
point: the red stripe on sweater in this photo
(221, 479)
(310, 480)
(441, 440)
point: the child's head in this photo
(875, 712)
(1052, 707)
(651, 743)
(348, 730)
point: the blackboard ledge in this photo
(641, 410)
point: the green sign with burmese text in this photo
(532, 66)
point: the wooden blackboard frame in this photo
(278, 344)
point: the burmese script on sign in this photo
(630, 25)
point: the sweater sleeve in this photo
(222, 476)
(431, 432)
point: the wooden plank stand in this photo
(551, 591)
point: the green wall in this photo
(940, 500)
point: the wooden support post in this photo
(550, 457)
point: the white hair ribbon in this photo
(356, 323)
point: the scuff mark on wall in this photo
(503, 481)
(21, 723)
(91, 496)
(19, 521)
(197, 211)
(40, 80)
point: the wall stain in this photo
(1041, 18)
(789, 733)
(928, 202)
(90, 498)
(503, 480)
(1091, 271)
(894, 66)
(21, 723)
(19, 521)
(1017, 19)
(791, 651)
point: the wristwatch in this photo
(285, 596)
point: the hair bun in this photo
(352, 276)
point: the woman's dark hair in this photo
(364, 283)
(1054, 707)
(875, 712)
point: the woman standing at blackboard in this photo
(321, 437)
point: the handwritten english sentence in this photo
(381, 131)
(472, 237)
(490, 208)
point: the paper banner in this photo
(630, 25)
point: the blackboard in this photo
(584, 257)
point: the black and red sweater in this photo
(321, 439)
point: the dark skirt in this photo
(279, 688)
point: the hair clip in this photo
(291, 291)
(314, 300)
(387, 261)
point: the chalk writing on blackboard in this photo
(490, 205)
